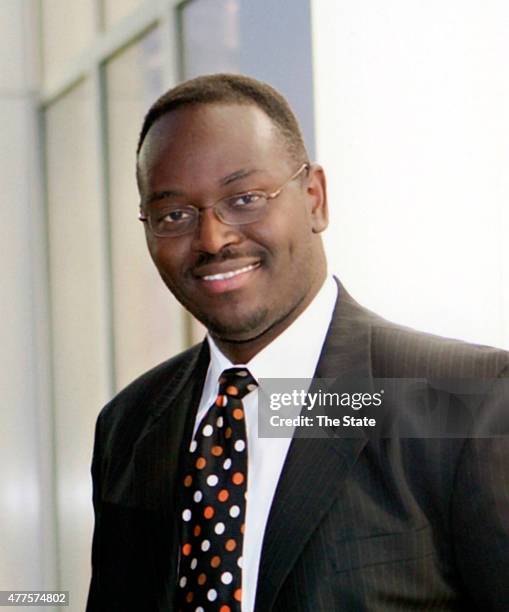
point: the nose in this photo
(212, 235)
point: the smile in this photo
(231, 274)
(229, 280)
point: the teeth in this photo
(226, 275)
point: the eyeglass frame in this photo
(268, 197)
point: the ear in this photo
(317, 197)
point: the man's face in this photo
(202, 153)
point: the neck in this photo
(243, 351)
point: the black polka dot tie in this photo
(214, 508)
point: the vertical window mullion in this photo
(101, 159)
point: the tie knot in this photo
(236, 382)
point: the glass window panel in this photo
(77, 272)
(67, 29)
(114, 10)
(210, 36)
(149, 325)
(262, 39)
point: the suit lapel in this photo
(315, 468)
(158, 462)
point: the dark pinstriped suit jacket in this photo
(379, 525)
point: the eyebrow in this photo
(226, 180)
(237, 175)
(161, 195)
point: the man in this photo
(195, 511)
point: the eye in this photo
(175, 215)
(243, 200)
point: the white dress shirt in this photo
(293, 354)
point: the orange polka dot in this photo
(230, 545)
(188, 480)
(202, 579)
(215, 561)
(242, 527)
(186, 549)
(238, 414)
(228, 432)
(197, 530)
(225, 609)
(201, 462)
(217, 451)
(238, 478)
(219, 400)
(223, 495)
(231, 390)
(238, 594)
(208, 513)
(189, 597)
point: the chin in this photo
(236, 328)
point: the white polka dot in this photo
(226, 577)
(197, 496)
(194, 563)
(205, 545)
(251, 387)
(227, 464)
(219, 528)
(242, 373)
(186, 515)
(234, 511)
(225, 400)
(212, 594)
(183, 581)
(207, 430)
(220, 421)
(199, 609)
(240, 445)
(193, 445)
(240, 561)
(212, 480)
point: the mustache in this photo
(227, 254)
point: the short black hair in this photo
(231, 89)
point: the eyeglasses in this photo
(176, 219)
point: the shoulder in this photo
(403, 351)
(400, 351)
(142, 397)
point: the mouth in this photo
(221, 282)
(227, 275)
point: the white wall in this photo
(412, 126)
(27, 552)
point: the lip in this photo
(238, 275)
(224, 267)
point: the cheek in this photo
(288, 239)
(152, 245)
(168, 255)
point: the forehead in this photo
(212, 138)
